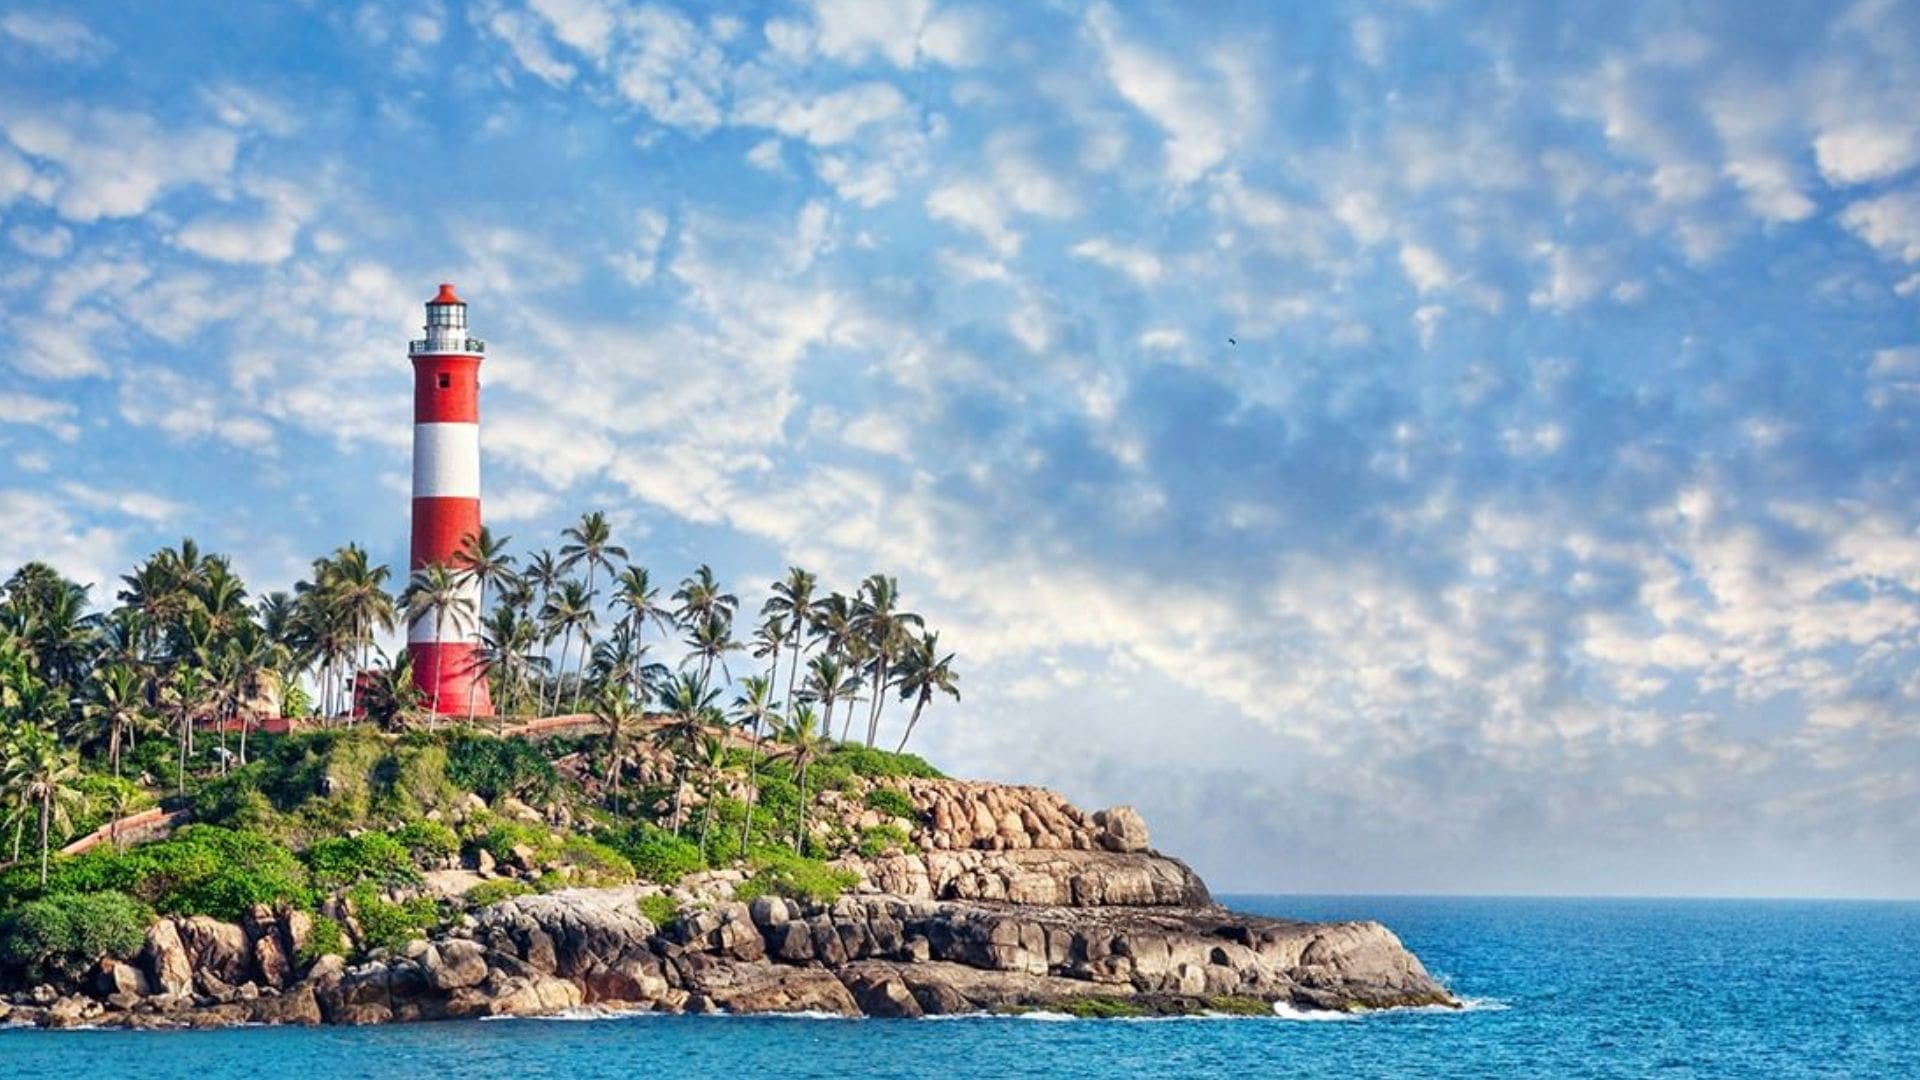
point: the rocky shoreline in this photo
(1010, 899)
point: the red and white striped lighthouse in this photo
(446, 500)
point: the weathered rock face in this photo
(1054, 877)
(1016, 899)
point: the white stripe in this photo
(446, 460)
(452, 628)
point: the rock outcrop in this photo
(1008, 898)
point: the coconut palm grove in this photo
(186, 746)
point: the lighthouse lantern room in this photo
(447, 665)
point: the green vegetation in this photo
(656, 854)
(891, 801)
(782, 873)
(63, 934)
(428, 842)
(325, 939)
(200, 870)
(883, 840)
(661, 910)
(388, 925)
(1098, 1008)
(488, 893)
(349, 860)
(492, 767)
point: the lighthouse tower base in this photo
(452, 677)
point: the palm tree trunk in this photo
(560, 672)
(679, 782)
(113, 745)
(918, 704)
(439, 654)
(706, 818)
(46, 810)
(846, 726)
(800, 829)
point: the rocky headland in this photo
(1002, 898)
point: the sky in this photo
(1399, 446)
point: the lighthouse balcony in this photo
(457, 346)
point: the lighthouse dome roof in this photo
(447, 296)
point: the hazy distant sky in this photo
(1400, 446)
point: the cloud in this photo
(61, 37)
(1862, 153)
(50, 242)
(54, 416)
(1139, 264)
(1890, 222)
(1199, 130)
(117, 163)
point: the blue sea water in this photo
(1669, 988)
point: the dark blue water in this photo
(1563, 988)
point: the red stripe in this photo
(458, 669)
(456, 403)
(440, 526)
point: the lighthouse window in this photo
(446, 380)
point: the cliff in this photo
(1001, 898)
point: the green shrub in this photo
(387, 925)
(891, 801)
(595, 863)
(199, 870)
(656, 854)
(880, 839)
(371, 856)
(782, 873)
(488, 893)
(500, 840)
(493, 767)
(661, 910)
(427, 842)
(325, 939)
(62, 935)
(871, 762)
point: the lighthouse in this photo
(447, 667)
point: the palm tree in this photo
(700, 599)
(709, 640)
(828, 681)
(589, 542)
(568, 607)
(117, 703)
(689, 702)
(436, 593)
(804, 743)
(793, 599)
(187, 689)
(617, 709)
(922, 671)
(713, 756)
(755, 708)
(483, 561)
(507, 640)
(42, 774)
(634, 590)
(884, 629)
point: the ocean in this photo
(1557, 987)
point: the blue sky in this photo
(1400, 446)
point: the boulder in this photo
(114, 978)
(454, 964)
(1121, 829)
(218, 948)
(166, 960)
